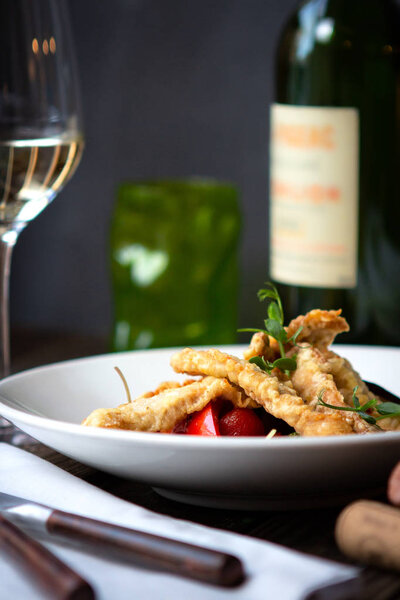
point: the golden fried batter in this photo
(316, 371)
(262, 345)
(165, 385)
(320, 327)
(163, 410)
(277, 397)
(388, 424)
(346, 379)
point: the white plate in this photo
(50, 402)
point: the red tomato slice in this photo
(204, 422)
(241, 421)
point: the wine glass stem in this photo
(6, 247)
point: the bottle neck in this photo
(371, 15)
(326, 7)
(345, 4)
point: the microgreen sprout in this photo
(384, 409)
(274, 328)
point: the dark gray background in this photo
(170, 88)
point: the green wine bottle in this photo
(334, 165)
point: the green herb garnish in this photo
(274, 328)
(385, 409)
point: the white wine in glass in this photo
(32, 172)
(41, 138)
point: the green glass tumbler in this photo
(174, 247)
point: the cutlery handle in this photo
(55, 578)
(149, 550)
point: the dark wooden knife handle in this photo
(54, 578)
(147, 550)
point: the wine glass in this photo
(41, 137)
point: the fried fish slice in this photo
(262, 345)
(278, 398)
(162, 411)
(317, 371)
(388, 424)
(320, 327)
(164, 385)
(346, 379)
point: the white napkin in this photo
(272, 571)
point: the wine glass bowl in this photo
(40, 120)
(32, 172)
(41, 138)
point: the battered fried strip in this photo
(389, 424)
(162, 411)
(260, 345)
(164, 385)
(347, 379)
(277, 398)
(317, 371)
(320, 327)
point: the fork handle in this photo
(54, 578)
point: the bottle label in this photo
(314, 192)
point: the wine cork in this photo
(369, 532)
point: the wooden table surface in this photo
(309, 531)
